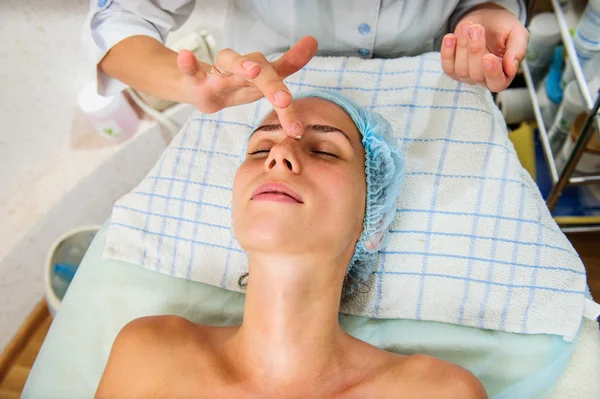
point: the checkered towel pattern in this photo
(472, 243)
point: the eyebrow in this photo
(314, 128)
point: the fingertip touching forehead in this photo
(318, 116)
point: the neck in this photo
(291, 330)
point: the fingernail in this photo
(280, 96)
(474, 32)
(248, 65)
(516, 62)
(464, 29)
(296, 130)
(449, 42)
(488, 64)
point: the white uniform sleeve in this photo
(109, 22)
(517, 7)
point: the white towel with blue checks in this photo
(472, 243)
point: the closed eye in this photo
(259, 152)
(315, 152)
(326, 153)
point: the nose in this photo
(284, 155)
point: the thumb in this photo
(516, 48)
(188, 64)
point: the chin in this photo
(268, 232)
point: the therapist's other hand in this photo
(486, 48)
(237, 79)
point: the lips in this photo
(278, 192)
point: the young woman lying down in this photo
(311, 214)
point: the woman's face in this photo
(295, 196)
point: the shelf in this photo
(572, 54)
(574, 61)
(557, 181)
(579, 206)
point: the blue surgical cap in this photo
(384, 170)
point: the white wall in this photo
(42, 66)
(55, 172)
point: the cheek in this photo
(240, 183)
(345, 190)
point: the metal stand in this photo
(559, 183)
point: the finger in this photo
(477, 49)
(288, 117)
(448, 52)
(271, 84)
(516, 48)
(188, 65)
(231, 62)
(461, 60)
(296, 57)
(494, 75)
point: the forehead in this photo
(313, 110)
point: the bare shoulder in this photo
(148, 329)
(143, 352)
(426, 376)
(155, 336)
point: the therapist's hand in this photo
(237, 79)
(486, 47)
